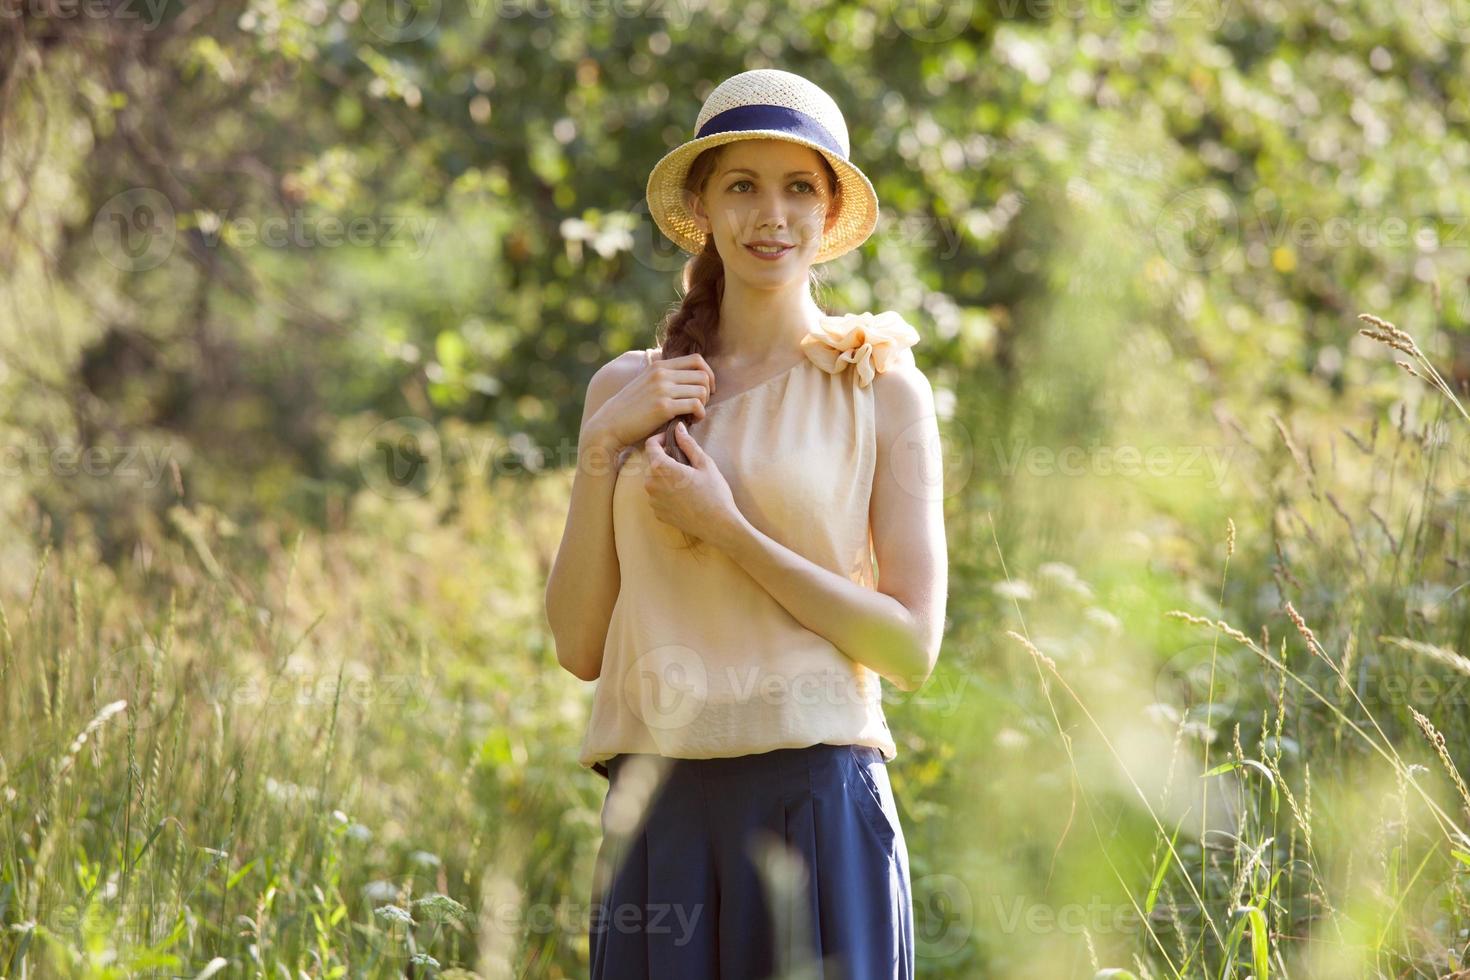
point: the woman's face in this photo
(766, 191)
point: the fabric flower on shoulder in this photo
(871, 342)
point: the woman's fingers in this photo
(692, 365)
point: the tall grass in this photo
(1338, 750)
(324, 756)
(272, 752)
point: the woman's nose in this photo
(769, 224)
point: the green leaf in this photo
(1168, 858)
(234, 879)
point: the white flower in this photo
(1014, 589)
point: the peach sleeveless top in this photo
(700, 661)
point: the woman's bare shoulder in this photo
(613, 376)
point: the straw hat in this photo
(766, 103)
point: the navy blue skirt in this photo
(787, 863)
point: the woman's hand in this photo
(694, 498)
(662, 391)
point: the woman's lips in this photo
(768, 256)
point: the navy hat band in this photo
(773, 117)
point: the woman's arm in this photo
(897, 629)
(584, 581)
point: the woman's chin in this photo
(769, 278)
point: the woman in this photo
(716, 574)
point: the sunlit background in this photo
(298, 306)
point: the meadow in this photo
(278, 697)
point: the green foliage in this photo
(252, 252)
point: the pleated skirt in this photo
(787, 864)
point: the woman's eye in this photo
(805, 186)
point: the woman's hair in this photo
(693, 327)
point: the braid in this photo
(693, 327)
